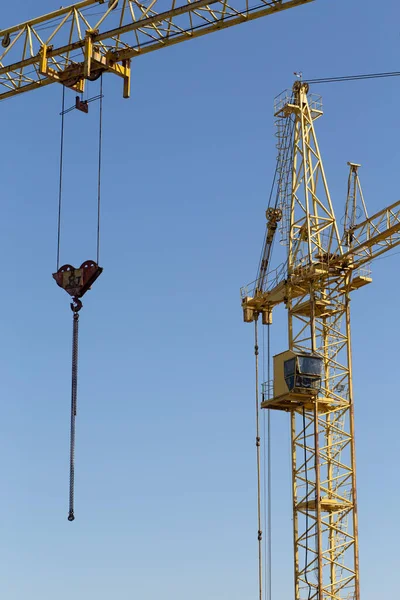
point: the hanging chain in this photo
(74, 393)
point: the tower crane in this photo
(312, 378)
(78, 43)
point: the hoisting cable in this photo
(269, 483)
(265, 498)
(280, 174)
(264, 452)
(76, 282)
(60, 187)
(282, 158)
(259, 514)
(267, 488)
(99, 168)
(306, 502)
(268, 206)
(264, 460)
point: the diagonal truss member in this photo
(78, 43)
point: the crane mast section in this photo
(75, 44)
(314, 285)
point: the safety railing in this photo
(286, 97)
(274, 278)
(267, 390)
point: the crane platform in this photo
(296, 402)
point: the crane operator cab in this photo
(296, 375)
(302, 373)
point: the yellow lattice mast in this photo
(313, 377)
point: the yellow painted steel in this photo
(79, 42)
(315, 284)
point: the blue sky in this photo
(165, 499)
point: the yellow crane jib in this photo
(80, 42)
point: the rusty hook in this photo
(76, 305)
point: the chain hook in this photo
(76, 304)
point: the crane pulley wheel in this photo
(6, 41)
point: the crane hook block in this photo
(76, 282)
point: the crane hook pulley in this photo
(76, 282)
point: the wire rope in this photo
(60, 188)
(99, 171)
(279, 161)
(358, 77)
(259, 513)
(306, 500)
(269, 474)
(264, 453)
(386, 257)
(99, 168)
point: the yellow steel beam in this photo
(375, 236)
(85, 39)
(50, 16)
